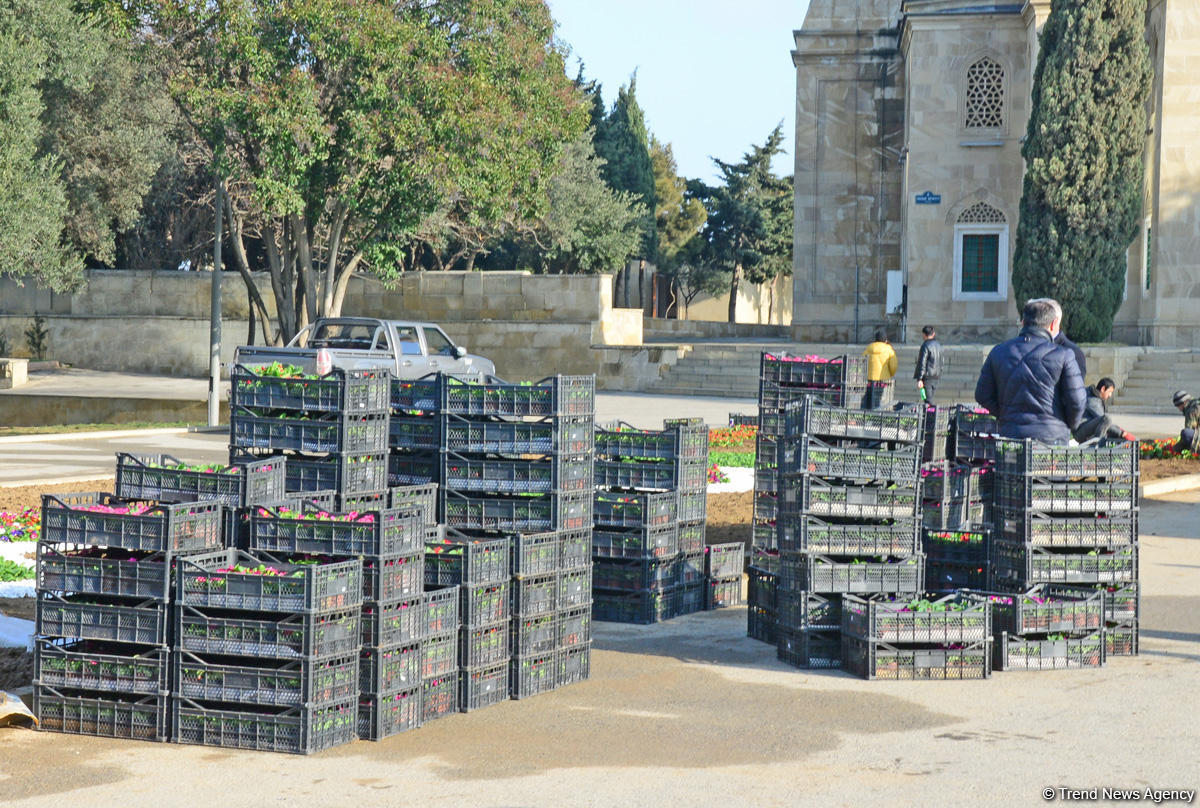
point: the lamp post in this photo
(214, 316)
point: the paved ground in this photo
(691, 712)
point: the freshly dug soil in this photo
(729, 517)
(1168, 467)
(30, 496)
(16, 668)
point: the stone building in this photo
(909, 120)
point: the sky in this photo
(714, 77)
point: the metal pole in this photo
(214, 316)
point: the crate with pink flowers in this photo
(390, 714)
(165, 478)
(265, 583)
(97, 518)
(310, 529)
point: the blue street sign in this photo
(929, 198)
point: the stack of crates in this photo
(1047, 628)
(650, 509)
(105, 585)
(332, 429)
(516, 472)
(956, 514)
(850, 490)
(723, 569)
(267, 652)
(937, 432)
(415, 435)
(946, 638)
(762, 598)
(1069, 515)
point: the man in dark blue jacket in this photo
(1032, 385)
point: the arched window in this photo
(981, 254)
(984, 107)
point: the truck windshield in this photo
(343, 335)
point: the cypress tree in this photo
(625, 146)
(1082, 199)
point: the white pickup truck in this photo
(408, 349)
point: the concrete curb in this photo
(1184, 482)
(102, 435)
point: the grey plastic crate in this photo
(807, 610)
(273, 683)
(635, 510)
(519, 514)
(948, 619)
(553, 395)
(265, 583)
(691, 535)
(536, 553)
(344, 473)
(293, 636)
(957, 546)
(1015, 493)
(161, 527)
(535, 633)
(685, 440)
(574, 664)
(1032, 458)
(416, 432)
(165, 478)
(652, 475)
(351, 434)
(816, 497)
(439, 655)
(412, 468)
(945, 479)
(724, 560)
(658, 541)
(554, 435)
(439, 696)
(800, 533)
(1023, 565)
(815, 573)
(101, 667)
(1018, 525)
(129, 717)
(723, 592)
(804, 648)
(499, 475)
(533, 674)
(574, 625)
(439, 611)
(298, 730)
(383, 716)
(575, 548)
(813, 456)
(482, 686)
(458, 558)
(485, 645)
(111, 571)
(397, 622)
(873, 659)
(814, 418)
(97, 617)
(636, 575)
(364, 391)
(421, 394)
(1016, 653)
(1045, 609)
(786, 369)
(535, 594)
(308, 529)
(646, 606)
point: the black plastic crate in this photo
(786, 369)
(265, 583)
(536, 553)
(383, 716)
(945, 479)
(575, 548)
(804, 648)
(345, 473)
(98, 617)
(766, 560)
(266, 682)
(292, 636)
(298, 730)
(816, 573)
(553, 395)
(957, 546)
(395, 623)
(482, 686)
(634, 575)
(723, 592)
(693, 506)
(391, 577)
(872, 659)
(652, 475)
(439, 655)
(364, 391)
(808, 611)
(1015, 653)
(724, 560)
(481, 604)
(423, 394)
(817, 497)
(763, 586)
(415, 432)
(879, 394)
(1023, 565)
(1032, 458)
(535, 594)
(164, 478)
(761, 625)
(110, 571)
(1052, 496)
(951, 576)
(765, 535)
(574, 664)
(389, 670)
(534, 673)
(574, 625)
(157, 527)
(1045, 609)
(565, 435)
(773, 396)
(423, 497)
(552, 474)
(814, 418)
(439, 611)
(535, 634)
(439, 696)
(936, 433)
(485, 645)
(954, 514)
(412, 468)
(658, 541)
(691, 535)
(766, 452)
(972, 448)
(691, 569)
(693, 598)
(103, 667)
(351, 434)
(615, 509)
(574, 587)
(131, 717)
(647, 606)
(1121, 639)
(680, 439)
(948, 619)
(458, 558)
(737, 419)
(800, 533)
(1040, 529)
(563, 511)
(968, 420)
(308, 529)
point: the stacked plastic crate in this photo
(517, 487)
(1047, 627)
(650, 511)
(724, 565)
(102, 655)
(332, 429)
(850, 490)
(1069, 515)
(784, 379)
(415, 437)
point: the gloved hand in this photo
(1128, 436)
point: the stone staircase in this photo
(1156, 376)
(730, 369)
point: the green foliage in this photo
(678, 217)
(749, 229)
(37, 339)
(1082, 199)
(622, 142)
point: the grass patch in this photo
(739, 459)
(61, 429)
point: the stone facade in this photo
(940, 105)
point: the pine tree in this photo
(1082, 198)
(622, 142)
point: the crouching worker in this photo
(1096, 422)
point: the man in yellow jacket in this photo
(881, 359)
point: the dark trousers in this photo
(1097, 427)
(930, 387)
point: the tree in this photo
(624, 146)
(342, 127)
(749, 227)
(1082, 197)
(679, 218)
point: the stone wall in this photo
(756, 305)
